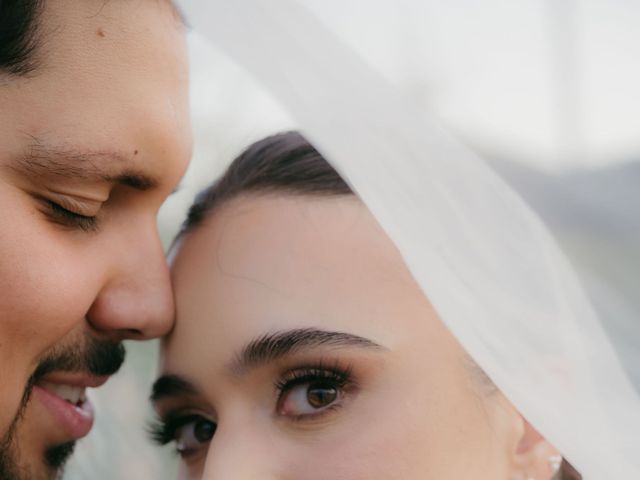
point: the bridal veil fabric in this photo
(481, 256)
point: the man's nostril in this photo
(133, 333)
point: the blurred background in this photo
(545, 90)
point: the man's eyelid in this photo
(84, 207)
(98, 192)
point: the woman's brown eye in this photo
(203, 430)
(308, 399)
(319, 395)
(193, 435)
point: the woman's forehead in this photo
(292, 241)
(266, 264)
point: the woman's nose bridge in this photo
(239, 467)
(245, 454)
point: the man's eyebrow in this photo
(103, 166)
(171, 386)
(273, 346)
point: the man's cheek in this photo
(10, 399)
(45, 297)
(35, 312)
(42, 302)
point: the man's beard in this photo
(93, 356)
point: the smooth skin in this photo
(414, 406)
(109, 98)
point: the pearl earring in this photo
(555, 462)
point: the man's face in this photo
(91, 143)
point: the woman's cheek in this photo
(381, 453)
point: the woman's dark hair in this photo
(567, 472)
(286, 163)
(18, 25)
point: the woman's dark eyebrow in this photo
(171, 386)
(273, 346)
(109, 166)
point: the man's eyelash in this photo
(69, 218)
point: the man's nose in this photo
(136, 300)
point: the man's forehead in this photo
(36, 33)
(175, 9)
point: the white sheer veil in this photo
(484, 260)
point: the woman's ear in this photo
(533, 457)
(529, 455)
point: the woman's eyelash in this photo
(73, 219)
(163, 431)
(339, 378)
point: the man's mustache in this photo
(94, 356)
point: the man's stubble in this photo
(96, 357)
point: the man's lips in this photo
(64, 397)
(74, 379)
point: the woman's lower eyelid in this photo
(318, 416)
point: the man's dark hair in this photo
(18, 38)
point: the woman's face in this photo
(305, 350)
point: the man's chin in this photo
(54, 409)
(7, 467)
(57, 457)
(48, 466)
